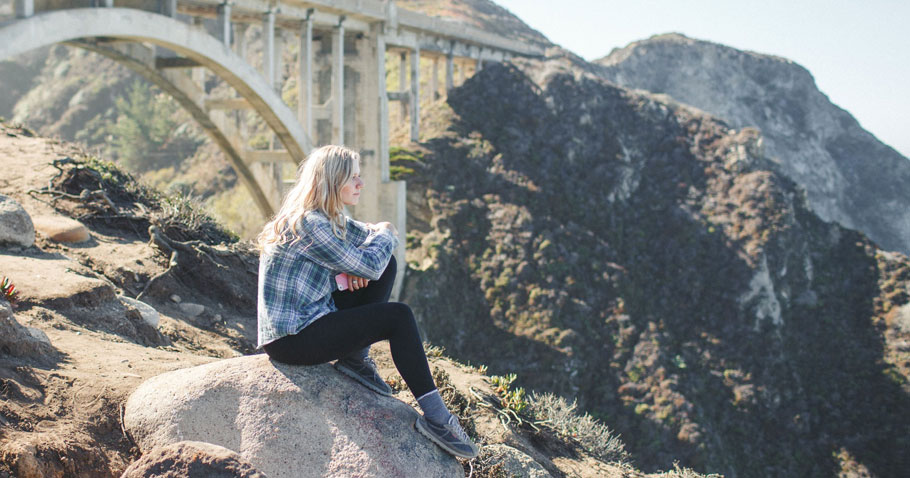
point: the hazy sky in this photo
(857, 50)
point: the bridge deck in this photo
(403, 28)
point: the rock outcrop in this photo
(287, 421)
(849, 175)
(16, 226)
(646, 258)
(191, 459)
(512, 462)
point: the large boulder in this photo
(190, 459)
(16, 226)
(287, 421)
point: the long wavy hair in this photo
(318, 188)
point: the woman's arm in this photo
(322, 247)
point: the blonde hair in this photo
(318, 188)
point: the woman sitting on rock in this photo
(308, 251)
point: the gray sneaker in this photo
(450, 437)
(364, 372)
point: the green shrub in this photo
(146, 133)
(556, 413)
(510, 399)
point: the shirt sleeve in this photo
(324, 248)
(358, 232)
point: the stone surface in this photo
(288, 421)
(148, 313)
(35, 280)
(16, 226)
(61, 229)
(514, 462)
(191, 309)
(191, 459)
(17, 340)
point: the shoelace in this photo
(370, 364)
(455, 428)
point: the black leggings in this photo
(364, 317)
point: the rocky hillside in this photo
(850, 176)
(650, 260)
(122, 284)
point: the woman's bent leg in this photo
(376, 292)
(341, 333)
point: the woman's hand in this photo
(355, 282)
(386, 225)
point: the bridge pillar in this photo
(198, 72)
(403, 82)
(268, 53)
(338, 82)
(450, 72)
(305, 75)
(224, 23)
(25, 8)
(168, 8)
(382, 199)
(434, 80)
(415, 94)
(240, 43)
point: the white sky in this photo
(857, 50)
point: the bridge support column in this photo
(224, 23)
(403, 82)
(240, 43)
(434, 80)
(25, 8)
(168, 8)
(450, 72)
(305, 75)
(268, 54)
(198, 72)
(415, 94)
(338, 83)
(382, 199)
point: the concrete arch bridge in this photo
(342, 93)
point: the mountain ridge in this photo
(850, 176)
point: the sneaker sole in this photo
(445, 446)
(362, 381)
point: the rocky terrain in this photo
(126, 347)
(849, 175)
(665, 259)
(649, 259)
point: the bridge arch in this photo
(75, 26)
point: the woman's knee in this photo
(401, 314)
(400, 309)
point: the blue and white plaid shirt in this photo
(296, 280)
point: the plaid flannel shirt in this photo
(296, 280)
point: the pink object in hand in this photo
(341, 280)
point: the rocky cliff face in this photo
(649, 259)
(849, 175)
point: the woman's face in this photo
(350, 191)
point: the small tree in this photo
(146, 135)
